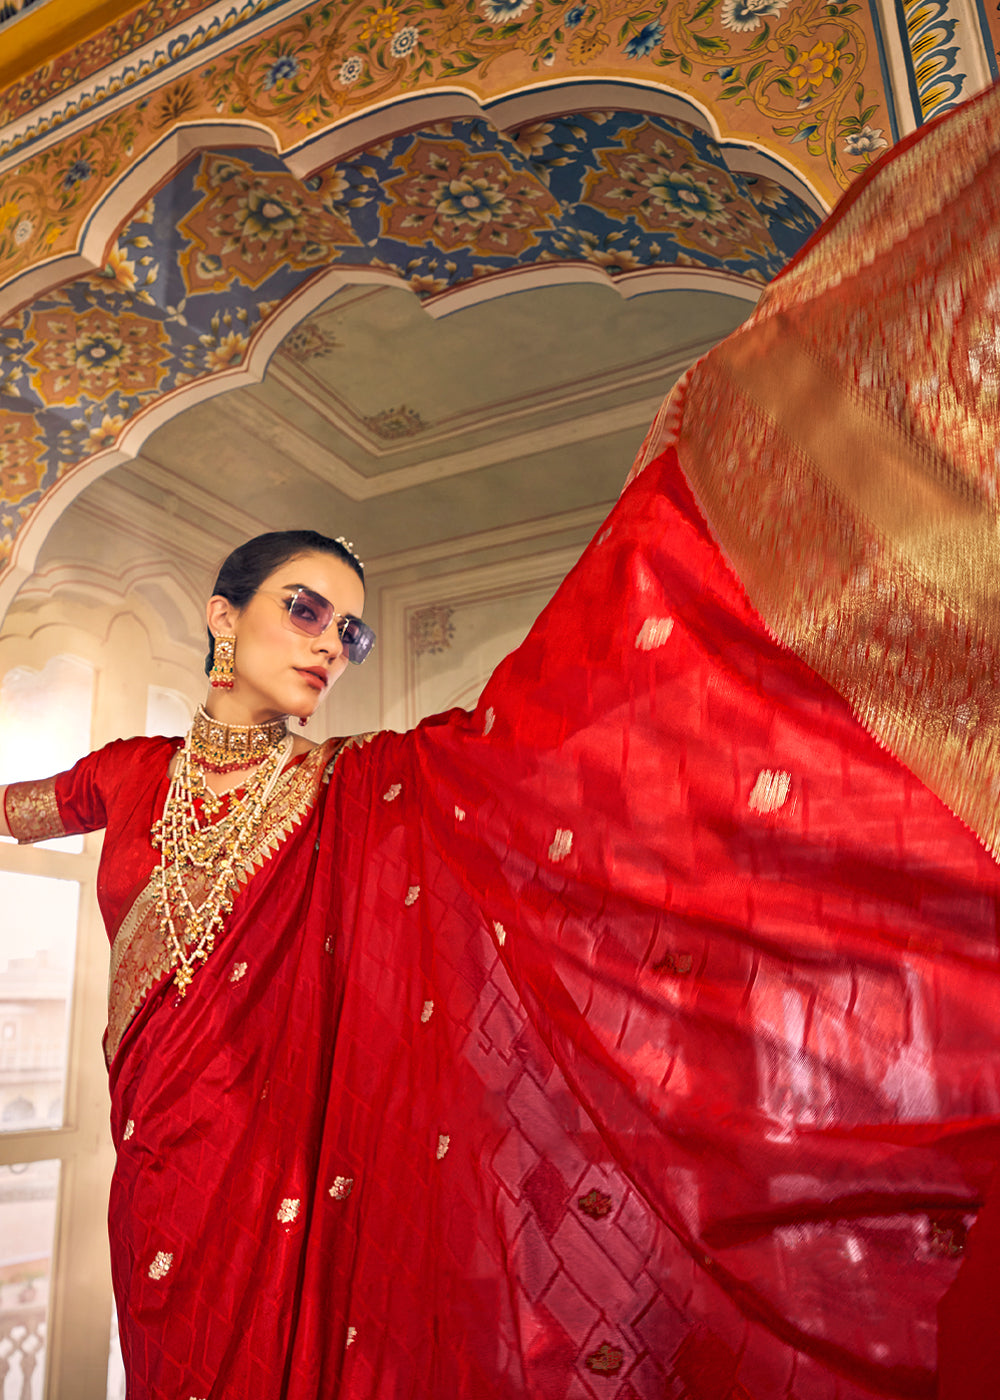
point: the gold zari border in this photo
(32, 811)
(139, 956)
(874, 563)
(845, 447)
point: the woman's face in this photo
(279, 671)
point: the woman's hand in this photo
(4, 828)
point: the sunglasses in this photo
(309, 612)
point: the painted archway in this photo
(179, 190)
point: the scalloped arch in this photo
(69, 280)
(382, 121)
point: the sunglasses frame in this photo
(341, 620)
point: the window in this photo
(53, 1094)
(28, 1195)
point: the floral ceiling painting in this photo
(171, 184)
(203, 266)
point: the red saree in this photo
(633, 1036)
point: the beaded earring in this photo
(223, 656)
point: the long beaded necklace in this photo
(201, 852)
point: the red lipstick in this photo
(316, 677)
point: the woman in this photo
(632, 1035)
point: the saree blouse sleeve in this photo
(32, 811)
(69, 803)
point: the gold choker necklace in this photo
(223, 748)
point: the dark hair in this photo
(248, 566)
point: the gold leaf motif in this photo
(352, 1333)
(489, 719)
(342, 1187)
(129, 1130)
(653, 633)
(412, 895)
(562, 844)
(444, 1142)
(239, 970)
(427, 1011)
(288, 1210)
(160, 1266)
(770, 791)
(500, 932)
(459, 814)
(392, 792)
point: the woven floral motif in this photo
(607, 1360)
(596, 1204)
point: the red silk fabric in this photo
(631, 1037)
(642, 1091)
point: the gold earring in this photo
(223, 656)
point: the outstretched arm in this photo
(4, 827)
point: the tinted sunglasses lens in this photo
(309, 613)
(357, 637)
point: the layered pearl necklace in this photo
(202, 852)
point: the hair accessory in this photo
(223, 748)
(349, 546)
(223, 657)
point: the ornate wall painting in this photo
(948, 54)
(193, 293)
(801, 81)
(211, 270)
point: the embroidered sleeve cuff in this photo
(32, 811)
